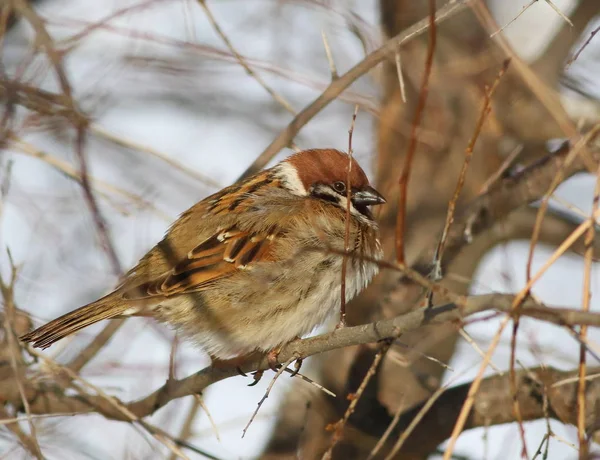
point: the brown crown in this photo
(327, 166)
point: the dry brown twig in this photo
(386, 434)
(328, 53)
(103, 188)
(401, 360)
(398, 60)
(280, 371)
(415, 421)
(506, 164)
(29, 441)
(547, 96)
(129, 416)
(342, 321)
(584, 46)
(412, 145)
(100, 131)
(43, 39)
(560, 175)
(277, 97)
(525, 8)
(338, 86)
(338, 427)
(516, 307)
(186, 429)
(459, 309)
(586, 295)
(486, 108)
(577, 150)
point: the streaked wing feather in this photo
(214, 259)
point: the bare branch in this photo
(336, 87)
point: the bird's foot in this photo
(256, 376)
(272, 358)
(297, 366)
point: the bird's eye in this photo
(339, 186)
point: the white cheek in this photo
(289, 175)
(344, 204)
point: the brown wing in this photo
(214, 259)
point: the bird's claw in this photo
(297, 366)
(257, 376)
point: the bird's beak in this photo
(368, 197)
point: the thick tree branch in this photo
(493, 406)
(49, 398)
(507, 196)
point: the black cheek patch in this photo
(326, 197)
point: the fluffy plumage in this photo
(247, 268)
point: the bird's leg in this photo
(272, 357)
(341, 324)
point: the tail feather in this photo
(69, 323)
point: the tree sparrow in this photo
(253, 266)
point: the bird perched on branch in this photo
(253, 266)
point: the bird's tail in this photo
(67, 324)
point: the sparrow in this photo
(253, 266)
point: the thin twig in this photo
(586, 295)
(516, 306)
(470, 398)
(173, 358)
(514, 388)
(336, 87)
(398, 358)
(437, 258)
(267, 392)
(558, 178)
(415, 421)
(525, 8)
(294, 373)
(338, 427)
(112, 401)
(17, 368)
(588, 377)
(400, 76)
(559, 12)
(412, 145)
(464, 334)
(100, 131)
(332, 67)
(92, 203)
(342, 322)
(547, 96)
(277, 97)
(8, 421)
(11, 424)
(587, 42)
(456, 311)
(388, 431)
(43, 39)
(575, 151)
(506, 164)
(200, 400)
(103, 188)
(186, 429)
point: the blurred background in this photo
(174, 117)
